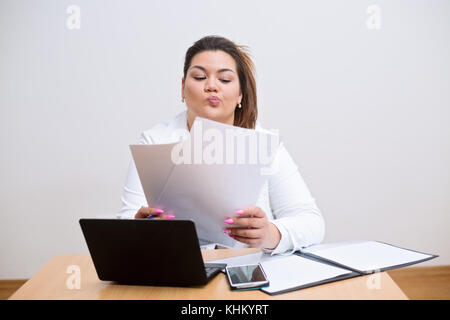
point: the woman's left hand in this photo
(251, 226)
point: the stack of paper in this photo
(216, 170)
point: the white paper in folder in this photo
(287, 271)
(218, 169)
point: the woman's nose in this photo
(210, 85)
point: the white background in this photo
(364, 113)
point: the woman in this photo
(218, 84)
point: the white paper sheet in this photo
(252, 258)
(154, 167)
(287, 271)
(366, 255)
(204, 191)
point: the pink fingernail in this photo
(239, 211)
(229, 221)
(159, 211)
(170, 216)
(227, 231)
(231, 235)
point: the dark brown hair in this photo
(246, 116)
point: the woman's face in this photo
(211, 74)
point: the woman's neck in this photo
(191, 117)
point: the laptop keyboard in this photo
(212, 269)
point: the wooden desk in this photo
(50, 283)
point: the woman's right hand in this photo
(145, 212)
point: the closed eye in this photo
(200, 78)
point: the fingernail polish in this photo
(227, 231)
(170, 217)
(239, 211)
(232, 236)
(159, 211)
(229, 221)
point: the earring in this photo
(239, 106)
(182, 100)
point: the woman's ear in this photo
(182, 87)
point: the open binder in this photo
(325, 263)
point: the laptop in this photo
(147, 252)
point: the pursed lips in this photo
(213, 100)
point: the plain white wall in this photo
(365, 113)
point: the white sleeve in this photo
(295, 212)
(133, 197)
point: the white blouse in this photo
(285, 198)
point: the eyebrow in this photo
(221, 70)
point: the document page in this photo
(215, 171)
(366, 256)
(287, 271)
(252, 258)
(154, 168)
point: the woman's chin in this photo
(213, 113)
